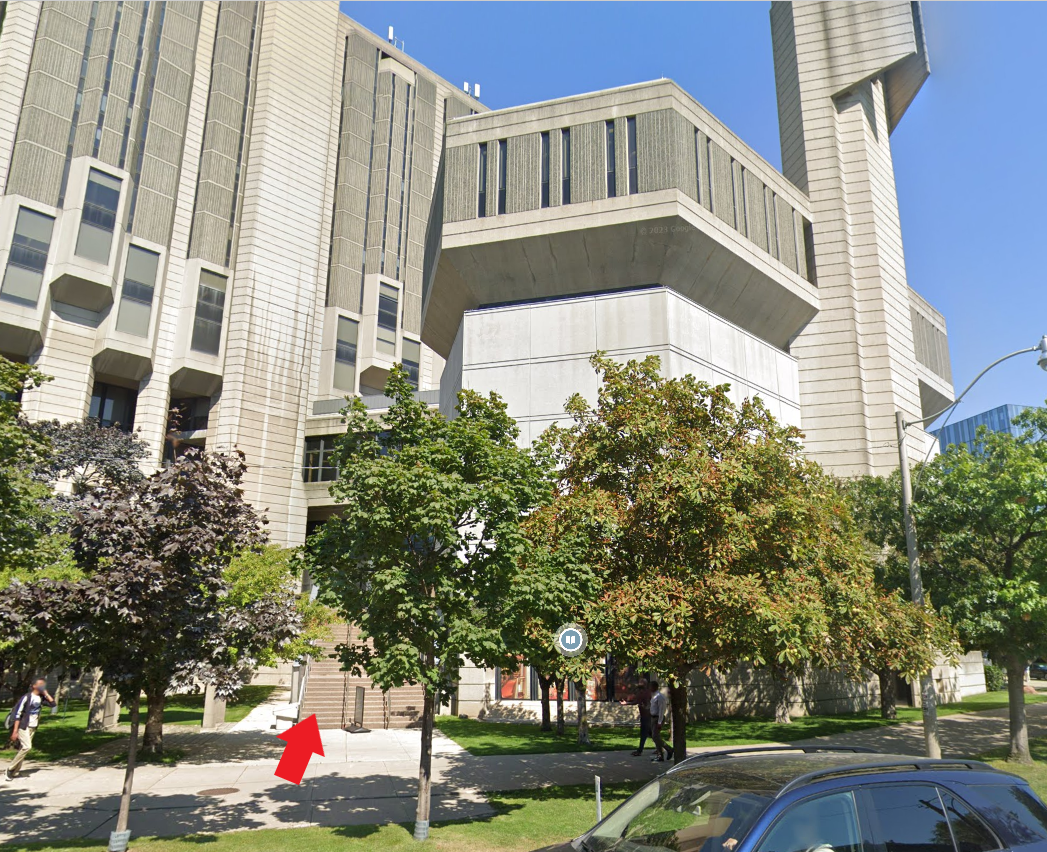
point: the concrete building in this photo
(243, 211)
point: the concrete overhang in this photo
(659, 237)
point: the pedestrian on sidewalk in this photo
(642, 699)
(26, 716)
(658, 719)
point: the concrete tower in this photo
(846, 72)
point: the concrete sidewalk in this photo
(227, 782)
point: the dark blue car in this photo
(823, 800)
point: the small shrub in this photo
(995, 678)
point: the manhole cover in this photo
(218, 791)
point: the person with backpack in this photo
(24, 721)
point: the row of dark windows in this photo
(632, 185)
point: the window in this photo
(503, 156)
(823, 822)
(630, 134)
(113, 406)
(482, 195)
(909, 817)
(1018, 809)
(98, 218)
(545, 170)
(189, 414)
(698, 163)
(320, 463)
(136, 295)
(968, 829)
(610, 159)
(388, 313)
(411, 358)
(565, 166)
(28, 257)
(345, 354)
(210, 310)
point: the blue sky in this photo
(970, 155)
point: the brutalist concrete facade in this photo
(244, 211)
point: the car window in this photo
(824, 824)
(909, 818)
(1016, 808)
(968, 829)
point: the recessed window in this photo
(345, 355)
(503, 172)
(610, 159)
(210, 311)
(320, 462)
(388, 314)
(545, 169)
(482, 195)
(136, 295)
(189, 414)
(28, 257)
(565, 166)
(411, 358)
(113, 406)
(98, 218)
(630, 133)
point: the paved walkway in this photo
(227, 782)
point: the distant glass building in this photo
(997, 420)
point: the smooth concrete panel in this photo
(635, 321)
(554, 382)
(512, 382)
(563, 328)
(501, 335)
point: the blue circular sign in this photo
(571, 640)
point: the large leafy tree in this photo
(89, 456)
(424, 550)
(982, 519)
(719, 543)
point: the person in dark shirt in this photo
(642, 699)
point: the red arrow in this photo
(303, 741)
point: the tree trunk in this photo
(425, 767)
(543, 684)
(678, 711)
(99, 694)
(888, 694)
(1016, 706)
(583, 716)
(783, 689)
(129, 773)
(560, 686)
(153, 742)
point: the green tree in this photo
(982, 520)
(424, 550)
(719, 543)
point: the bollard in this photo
(599, 802)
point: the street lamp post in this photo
(928, 696)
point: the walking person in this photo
(659, 707)
(26, 717)
(643, 703)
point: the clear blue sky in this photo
(970, 154)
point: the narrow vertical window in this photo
(345, 354)
(503, 156)
(565, 166)
(610, 159)
(482, 195)
(411, 358)
(98, 218)
(630, 133)
(136, 294)
(545, 169)
(698, 164)
(210, 311)
(28, 257)
(388, 313)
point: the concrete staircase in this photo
(330, 693)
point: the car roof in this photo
(774, 770)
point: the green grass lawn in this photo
(64, 734)
(491, 738)
(525, 820)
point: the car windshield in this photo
(683, 812)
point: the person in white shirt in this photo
(26, 719)
(659, 707)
